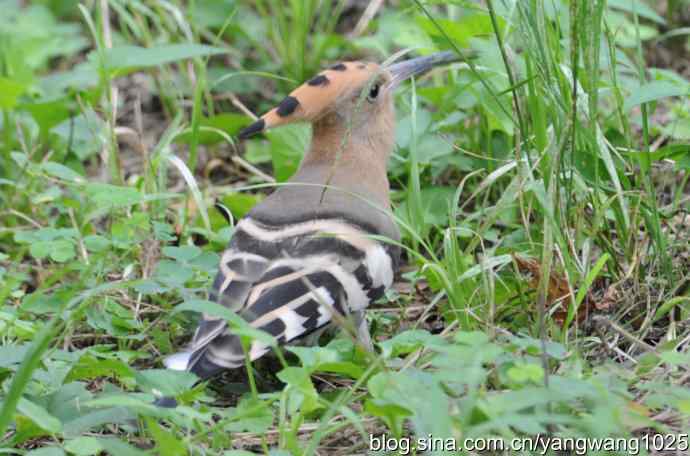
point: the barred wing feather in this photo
(288, 281)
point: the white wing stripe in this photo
(343, 231)
(320, 294)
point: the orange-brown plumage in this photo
(316, 97)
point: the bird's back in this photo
(295, 259)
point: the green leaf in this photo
(11, 355)
(60, 250)
(228, 123)
(84, 134)
(392, 414)
(10, 90)
(126, 57)
(436, 203)
(44, 234)
(119, 448)
(106, 195)
(165, 382)
(41, 303)
(299, 380)
(39, 416)
(459, 31)
(421, 394)
(62, 172)
(288, 144)
(250, 415)
(523, 373)
(96, 243)
(409, 341)
(183, 253)
(637, 6)
(94, 420)
(49, 113)
(173, 272)
(241, 203)
(133, 401)
(675, 358)
(46, 451)
(166, 441)
(84, 446)
(656, 90)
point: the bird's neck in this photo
(349, 159)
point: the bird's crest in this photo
(312, 99)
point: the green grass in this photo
(542, 188)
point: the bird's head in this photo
(354, 96)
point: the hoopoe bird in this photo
(325, 245)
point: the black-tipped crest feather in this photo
(251, 130)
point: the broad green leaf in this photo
(167, 443)
(409, 341)
(299, 380)
(165, 382)
(436, 203)
(250, 415)
(62, 250)
(656, 90)
(133, 401)
(684, 406)
(125, 57)
(459, 31)
(173, 272)
(44, 234)
(107, 195)
(325, 359)
(241, 203)
(59, 250)
(49, 113)
(228, 123)
(96, 243)
(637, 7)
(90, 367)
(393, 415)
(11, 355)
(117, 447)
(39, 416)
(675, 358)
(10, 90)
(182, 253)
(84, 446)
(46, 451)
(41, 303)
(522, 373)
(421, 394)
(674, 152)
(94, 420)
(62, 172)
(84, 134)
(288, 145)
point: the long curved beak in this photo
(403, 70)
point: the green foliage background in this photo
(542, 189)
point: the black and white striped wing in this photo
(288, 281)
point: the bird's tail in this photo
(194, 362)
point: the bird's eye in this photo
(373, 92)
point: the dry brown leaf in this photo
(558, 291)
